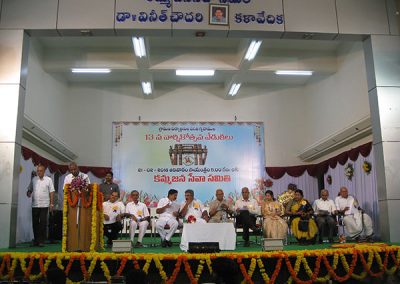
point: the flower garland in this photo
(65, 221)
(367, 167)
(365, 255)
(95, 200)
(93, 240)
(176, 271)
(349, 171)
(160, 268)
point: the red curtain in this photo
(99, 172)
(322, 167)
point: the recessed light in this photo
(90, 70)
(194, 72)
(139, 47)
(294, 72)
(146, 86)
(234, 89)
(252, 50)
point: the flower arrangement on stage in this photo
(374, 260)
(367, 167)
(329, 179)
(268, 183)
(349, 171)
(95, 200)
(79, 184)
(191, 219)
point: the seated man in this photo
(358, 225)
(192, 209)
(168, 210)
(247, 209)
(219, 208)
(324, 209)
(113, 213)
(139, 215)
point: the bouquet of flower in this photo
(349, 171)
(79, 184)
(367, 167)
(268, 183)
(329, 179)
(191, 219)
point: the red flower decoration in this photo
(268, 183)
(191, 219)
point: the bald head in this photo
(344, 192)
(219, 193)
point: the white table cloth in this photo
(223, 233)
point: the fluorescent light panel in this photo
(146, 86)
(90, 70)
(139, 47)
(253, 49)
(294, 72)
(194, 72)
(234, 89)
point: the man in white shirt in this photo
(168, 212)
(41, 189)
(246, 209)
(74, 173)
(113, 212)
(324, 209)
(193, 207)
(219, 208)
(357, 223)
(139, 215)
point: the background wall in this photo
(81, 115)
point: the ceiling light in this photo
(90, 70)
(253, 49)
(234, 89)
(193, 72)
(139, 47)
(294, 72)
(146, 86)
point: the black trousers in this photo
(111, 231)
(248, 221)
(322, 222)
(39, 224)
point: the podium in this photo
(82, 219)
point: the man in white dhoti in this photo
(168, 209)
(192, 209)
(358, 225)
(139, 215)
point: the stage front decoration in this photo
(82, 217)
(341, 263)
(156, 156)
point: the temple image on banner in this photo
(188, 154)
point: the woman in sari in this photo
(303, 226)
(274, 226)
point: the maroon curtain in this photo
(99, 172)
(322, 167)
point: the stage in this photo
(295, 264)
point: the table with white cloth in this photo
(223, 233)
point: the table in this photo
(223, 233)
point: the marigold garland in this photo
(94, 200)
(364, 255)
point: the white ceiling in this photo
(165, 54)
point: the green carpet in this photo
(153, 246)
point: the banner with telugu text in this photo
(156, 156)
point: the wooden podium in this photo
(83, 220)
